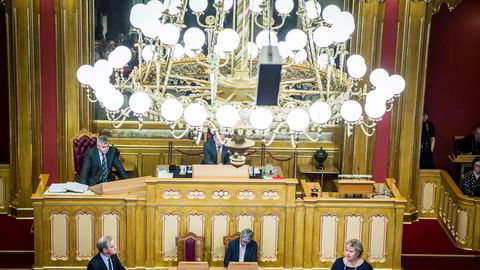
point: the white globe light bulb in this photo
(320, 112)
(171, 110)
(261, 118)
(284, 50)
(355, 60)
(296, 39)
(228, 39)
(198, 5)
(227, 116)
(357, 71)
(178, 52)
(85, 74)
(103, 68)
(300, 56)
(195, 115)
(99, 82)
(140, 102)
(254, 5)
(284, 6)
(151, 28)
(351, 111)
(137, 15)
(194, 38)
(323, 61)
(378, 77)
(156, 8)
(397, 83)
(298, 120)
(103, 90)
(170, 33)
(252, 50)
(262, 39)
(313, 9)
(114, 101)
(375, 110)
(330, 13)
(147, 52)
(218, 50)
(375, 96)
(323, 36)
(227, 4)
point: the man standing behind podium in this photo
(106, 257)
(215, 152)
(243, 249)
(98, 162)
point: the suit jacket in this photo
(91, 166)
(96, 263)
(233, 252)
(469, 145)
(210, 153)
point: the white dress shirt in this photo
(242, 252)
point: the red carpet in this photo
(426, 236)
(426, 246)
(16, 244)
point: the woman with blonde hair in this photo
(352, 257)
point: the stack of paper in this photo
(67, 187)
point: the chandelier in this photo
(209, 79)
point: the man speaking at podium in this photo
(243, 249)
(98, 162)
(215, 152)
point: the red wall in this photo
(452, 91)
(48, 88)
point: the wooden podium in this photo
(219, 171)
(354, 186)
(243, 266)
(193, 266)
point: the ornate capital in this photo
(451, 4)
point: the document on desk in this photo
(69, 187)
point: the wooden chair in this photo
(228, 238)
(80, 144)
(187, 247)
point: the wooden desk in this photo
(314, 174)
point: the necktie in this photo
(104, 170)
(219, 155)
(110, 267)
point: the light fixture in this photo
(208, 78)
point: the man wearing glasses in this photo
(106, 256)
(243, 249)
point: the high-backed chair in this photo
(187, 247)
(80, 144)
(228, 238)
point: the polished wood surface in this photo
(193, 266)
(315, 174)
(219, 170)
(300, 233)
(353, 186)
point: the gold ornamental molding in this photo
(451, 4)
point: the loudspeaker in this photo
(269, 76)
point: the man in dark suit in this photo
(106, 259)
(98, 162)
(471, 143)
(213, 149)
(243, 249)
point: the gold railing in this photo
(441, 199)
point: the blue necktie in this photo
(110, 267)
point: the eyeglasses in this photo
(476, 165)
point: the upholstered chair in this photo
(80, 143)
(187, 247)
